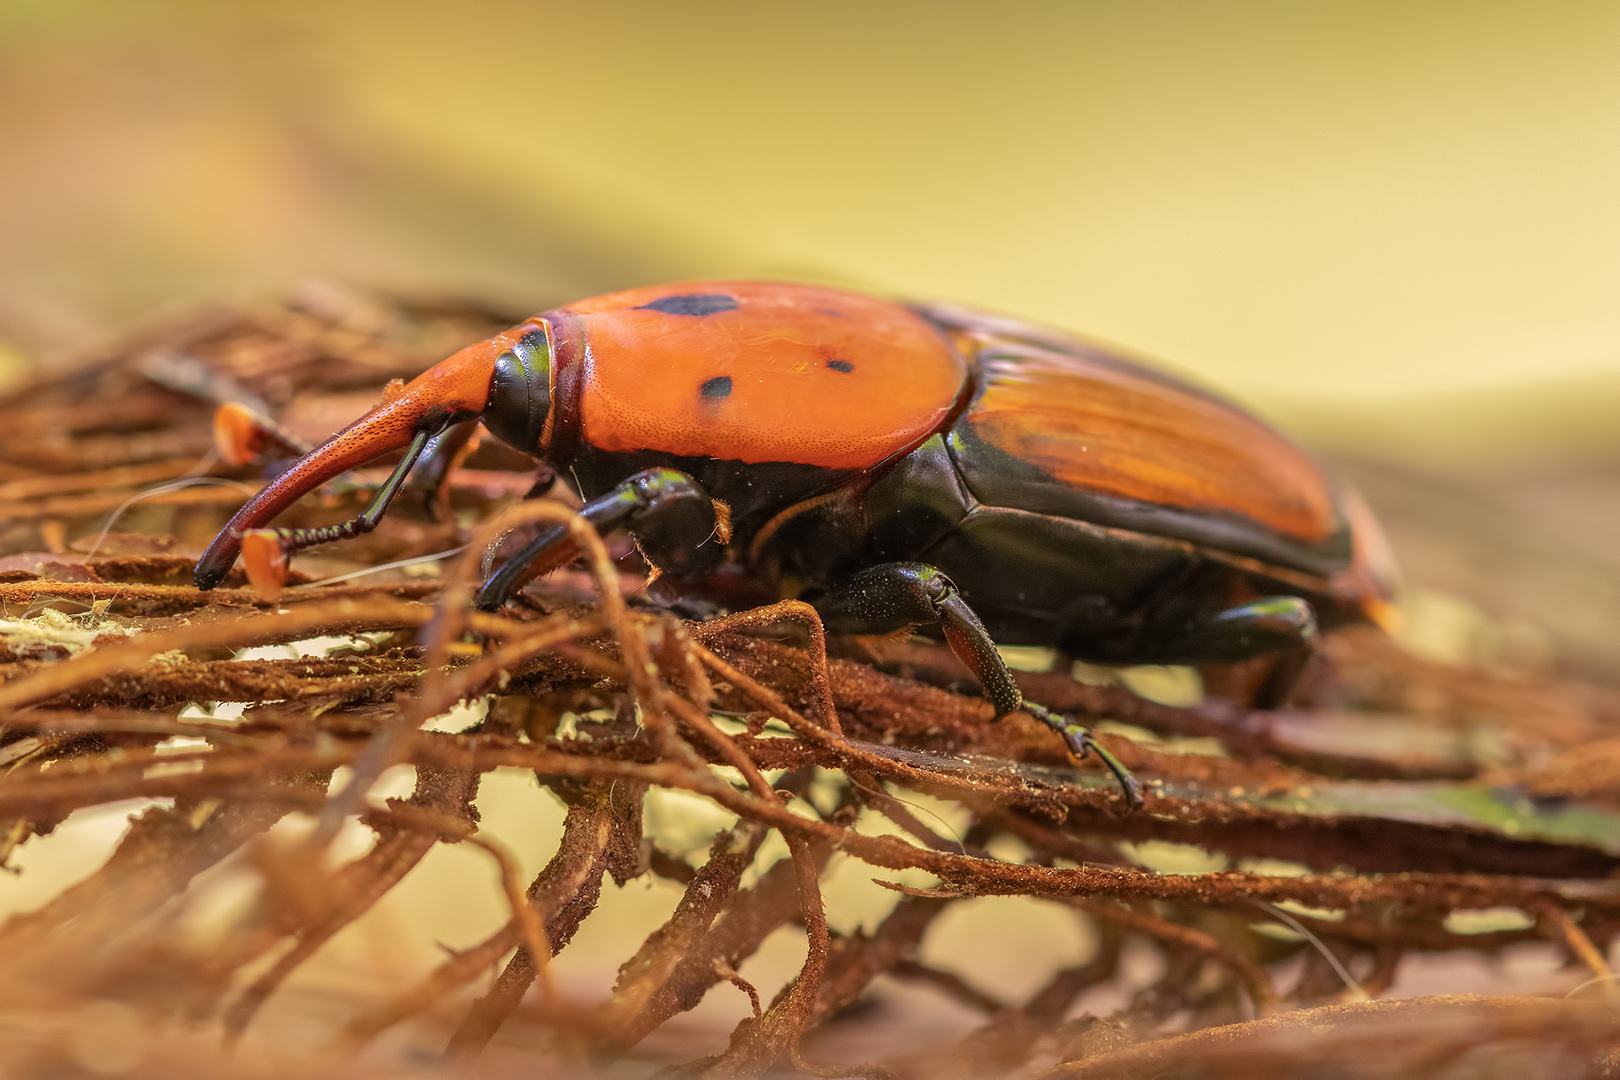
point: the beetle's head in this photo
(520, 391)
(506, 380)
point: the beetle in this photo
(898, 466)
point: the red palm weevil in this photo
(897, 466)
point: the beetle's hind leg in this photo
(1280, 626)
(672, 518)
(895, 596)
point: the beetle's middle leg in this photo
(895, 596)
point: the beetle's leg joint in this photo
(669, 515)
(893, 596)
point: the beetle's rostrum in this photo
(897, 466)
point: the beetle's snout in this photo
(520, 393)
(213, 566)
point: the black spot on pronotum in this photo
(841, 365)
(698, 304)
(717, 387)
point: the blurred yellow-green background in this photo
(1392, 226)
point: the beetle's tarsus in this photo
(1079, 742)
(296, 539)
(218, 559)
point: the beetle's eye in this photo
(520, 393)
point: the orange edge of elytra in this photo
(265, 561)
(239, 433)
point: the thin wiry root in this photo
(562, 896)
(1557, 921)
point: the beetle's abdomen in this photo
(759, 372)
(1058, 427)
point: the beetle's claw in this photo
(1080, 743)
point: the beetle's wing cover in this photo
(762, 372)
(1061, 426)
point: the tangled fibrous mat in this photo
(1412, 873)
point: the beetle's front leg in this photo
(896, 596)
(431, 476)
(672, 518)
